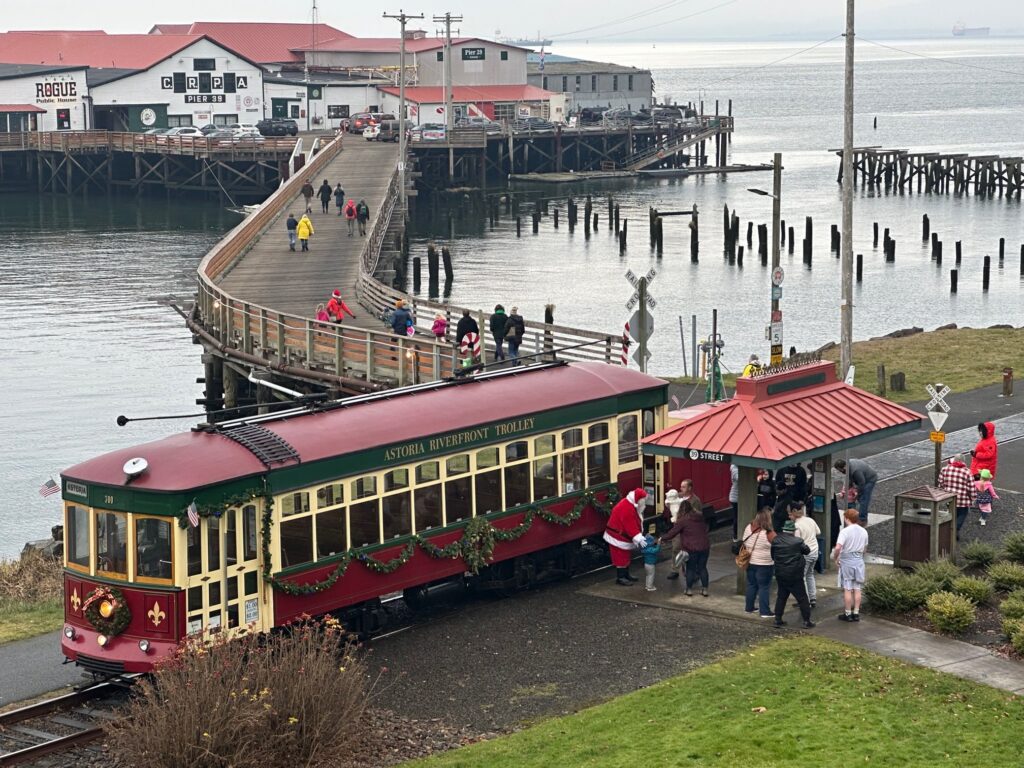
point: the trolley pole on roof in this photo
(402, 17)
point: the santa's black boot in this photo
(623, 577)
(630, 577)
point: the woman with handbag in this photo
(757, 550)
(692, 528)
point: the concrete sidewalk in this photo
(887, 638)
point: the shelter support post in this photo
(745, 514)
(821, 483)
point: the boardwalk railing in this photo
(349, 357)
(108, 141)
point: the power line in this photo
(951, 62)
(667, 21)
(749, 70)
(624, 19)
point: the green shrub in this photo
(1013, 606)
(940, 573)
(1013, 547)
(950, 613)
(1006, 576)
(1014, 631)
(979, 554)
(897, 592)
(979, 591)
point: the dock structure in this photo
(254, 311)
(478, 157)
(80, 162)
(935, 172)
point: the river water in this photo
(85, 341)
(954, 96)
(84, 338)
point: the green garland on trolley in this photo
(120, 616)
(218, 509)
(476, 547)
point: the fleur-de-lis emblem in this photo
(156, 614)
(76, 601)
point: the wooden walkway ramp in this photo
(272, 276)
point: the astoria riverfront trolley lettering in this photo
(457, 439)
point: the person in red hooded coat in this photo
(986, 453)
(624, 533)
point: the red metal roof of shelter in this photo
(20, 108)
(196, 459)
(434, 94)
(790, 415)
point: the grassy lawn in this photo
(19, 620)
(799, 701)
(963, 359)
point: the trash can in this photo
(1007, 382)
(925, 526)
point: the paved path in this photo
(272, 276)
(915, 646)
(32, 667)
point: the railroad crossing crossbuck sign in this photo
(635, 282)
(940, 413)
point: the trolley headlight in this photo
(106, 608)
(101, 640)
(144, 646)
(69, 632)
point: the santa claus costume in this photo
(624, 533)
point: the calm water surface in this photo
(85, 341)
(794, 107)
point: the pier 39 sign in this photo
(455, 440)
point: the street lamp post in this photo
(776, 288)
(846, 261)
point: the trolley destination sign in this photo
(457, 439)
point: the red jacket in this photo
(986, 452)
(337, 308)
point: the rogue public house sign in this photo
(56, 91)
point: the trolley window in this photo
(427, 507)
(296, 541)
(428, 472)
(230, 538)
(648, 422)
(572, 438)
(487, 458)
(598, 464)
(629, 446)
(294, 503)
(545, 481)
(397, 514)
(194, 537)
(517, 484)
(517, 451)
(363, 487)
(153, 548)
(330, 495)
(330, 533)
(396, 479)
(572, 461)
(543, 445)
(597, 433)
(488, 492)
(364, 523)
(249, 532)
(458, 495)
(212, 543)
(458, 465)
(78, 535)
(111, 543)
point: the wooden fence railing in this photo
(107, 141)
(355, 357)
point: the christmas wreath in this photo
(106, 609)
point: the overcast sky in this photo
(605, 20)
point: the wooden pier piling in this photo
(622, 236)
(536, 222)
(618, 227)
(959, 252)
(611, 212)
(809, 235)
(519, 224)
(792, 240)
(953, 276)
(694, 235)
(985, 273)
(860, 267)
(432, 264)
(925, 228)
(659, 233)
(1002, 250)
(449, 273)
(750, 234)
(739, 256)
(416, 267)
(874, 242)
(554, 217)
(834, 237)
(938, 253)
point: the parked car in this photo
(361, 120)
(155, 131)
(247, 134)
(239, 126)
(184, 130)
(277, 126)
(371, 132)
(388, 130)
(428, 132)
(487, 124)
(209, 128)
(532, 124)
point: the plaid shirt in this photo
(958, 480)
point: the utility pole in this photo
(776, 350)
(846, 307)
(449, 115)
(402, 17)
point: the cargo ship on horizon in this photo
(959, 30)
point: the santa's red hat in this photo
(639, 493)
(336, 294)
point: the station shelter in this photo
(780, 417)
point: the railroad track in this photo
(56, 725)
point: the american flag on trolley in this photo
(49, 488)
(193, 514)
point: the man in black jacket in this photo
(466, 325)
(788, 552)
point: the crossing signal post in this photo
(641, 323)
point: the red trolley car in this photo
(251, 523)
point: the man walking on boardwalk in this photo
(325, 193)
(362, 216)
(292, 225)
(307, 195)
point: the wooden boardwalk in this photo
(272, 276)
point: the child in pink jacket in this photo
(984, 493)
(440, 327)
